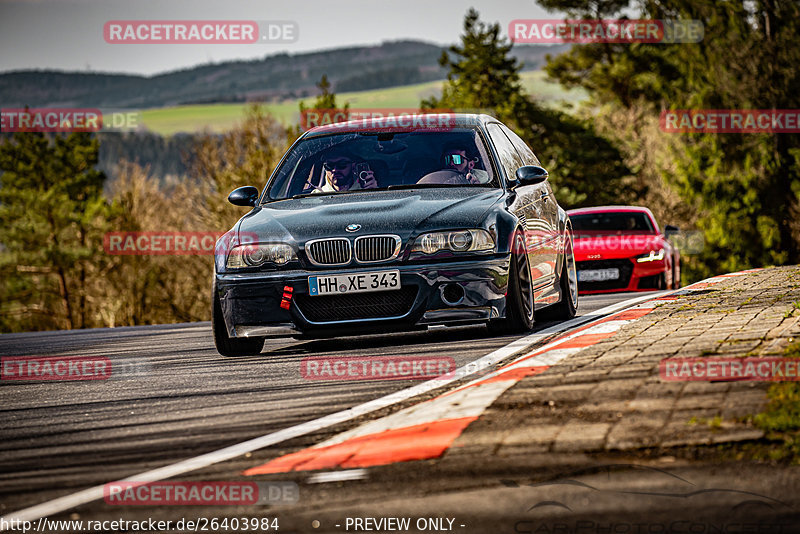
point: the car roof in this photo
(616, 209)
(452, 120)
(611, 209)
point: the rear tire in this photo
(228, 346)
(519, 299)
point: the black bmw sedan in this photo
(379, 226)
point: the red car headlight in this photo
(651, 256)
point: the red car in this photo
(621, 248)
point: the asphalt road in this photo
(180, 399)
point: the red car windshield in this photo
(619, 221)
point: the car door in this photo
(528, 206)
(547, 205)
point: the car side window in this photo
(509, 158)
(522, 148)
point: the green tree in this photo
(51, 215)
(326, 101)
(744, 186)
(585, 168)
(326, 98)
(482, 75)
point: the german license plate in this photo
(598, 275)
(342, 284)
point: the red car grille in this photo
(625, 271)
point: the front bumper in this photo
(251, 302)
(634, 276)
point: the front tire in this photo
(519, 299)
(226, 345)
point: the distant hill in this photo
(274, 77)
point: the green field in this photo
(223, 117)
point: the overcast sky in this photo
(68, 34)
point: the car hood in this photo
(405, 213)
(603, 245)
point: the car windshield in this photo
(453, 158)
(620, 221)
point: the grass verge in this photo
(781, 418)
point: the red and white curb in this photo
(427, 430)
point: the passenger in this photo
(457, 158)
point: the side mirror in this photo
(531, 175)
(244, 196)
(671, 230)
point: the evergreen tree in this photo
(326, 100)
(585, 168)
(482, 75)
(51, 207)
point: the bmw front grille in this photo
(338, 251)
(334, 251)
(375, 248)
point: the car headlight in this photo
(651, 256)
(455, 241)
(258, 254)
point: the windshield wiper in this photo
(414, 186)
(312, 194)
(428, 186)
(329, 193)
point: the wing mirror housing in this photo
(244, 196)
(670, 230)
(531, 175)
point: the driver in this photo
(457, 158)
(341, 173)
